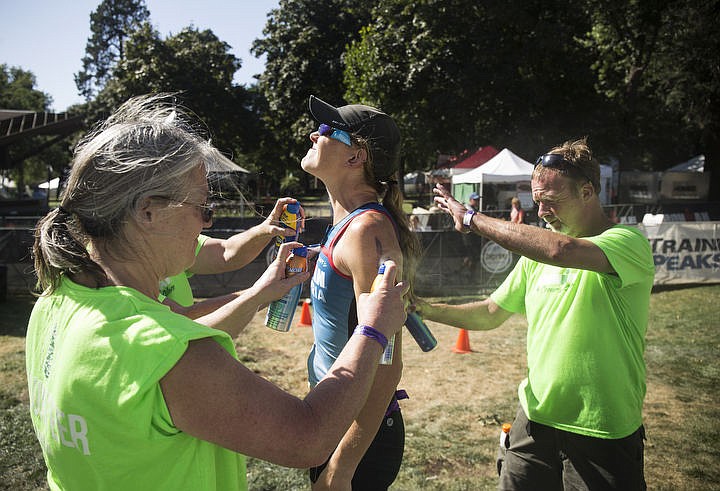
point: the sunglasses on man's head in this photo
(558, 161)
(552, 160)
(335, 134)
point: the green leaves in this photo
(17, 90)
(111, 24)
(641, 79)
(304, 45)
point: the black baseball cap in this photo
(379, 129)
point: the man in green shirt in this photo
(584, 286)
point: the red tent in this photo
(482, 155)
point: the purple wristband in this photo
(372, 333)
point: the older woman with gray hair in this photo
(124, 393)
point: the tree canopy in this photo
(17, 90)
(462, 74)
(641, 80)
(658, 63)
(198, 66)
(111, 24)
(126, 57)
(531, 74)
(304, 45)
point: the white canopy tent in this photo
(51, 184)
(695, 164)
(505, 167)
(51, 187)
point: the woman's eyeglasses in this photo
(335, 134)
(558, 161)
(206, 210)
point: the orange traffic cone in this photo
(462, 345)
(305, 317)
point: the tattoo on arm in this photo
(378, 248)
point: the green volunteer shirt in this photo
(177, 288)
(94, 361)
(586, 337)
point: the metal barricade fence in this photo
(451, 264)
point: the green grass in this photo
(457, 402)
(683, 348)
(21, 462)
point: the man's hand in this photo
(445, 201)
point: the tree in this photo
(659, 62)
(304, 45)
(641, 79)
(198, 66)
(17, 90)
(111, 25)
(459, 74)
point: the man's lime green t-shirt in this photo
(177, 288)
(95, 358)
(586, 337)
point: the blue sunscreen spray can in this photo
(420, 332)
(280, 312)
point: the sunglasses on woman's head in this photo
(335, 134)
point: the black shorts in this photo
(381, 463)
(541, 457)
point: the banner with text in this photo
(685, 252)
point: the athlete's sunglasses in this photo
(335, 134)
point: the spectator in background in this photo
(39, 193)
(126, 394)
(473, 202)
(517, 214)
(584, 287)
(472, 249)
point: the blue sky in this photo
(48, 37)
